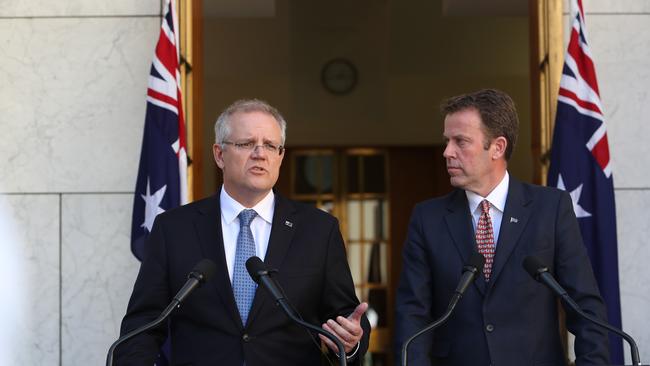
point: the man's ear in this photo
(499, 147)
(217, 151)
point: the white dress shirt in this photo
(497, 199)
(260, 226)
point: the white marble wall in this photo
(97, 270)
(634, 254)
(73, 82)
(619, 35)
(32, 251)
(72, 101)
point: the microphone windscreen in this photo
(206, 269)
(477, 260)
(533, 265)
(254, 265)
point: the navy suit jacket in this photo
(512, 319)
(306, 247)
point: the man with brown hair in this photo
(505, 317)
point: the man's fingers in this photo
(342, 333)
(348, 340)
(350, 327)
(335, 331)
(328, 343)
(358, 312)
(347, 330)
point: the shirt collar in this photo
(230, 208)
(497, 197)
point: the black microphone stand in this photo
(434, 325)
(319, 330)
(634, 350)
(540, 272)
(168, 310)
(265, 278)
(470, 271)
(200, 274)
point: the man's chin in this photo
(260, 186)
(456, 182)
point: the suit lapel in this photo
(515, 217)
(459, 223)
(282, 230)
(208, 227)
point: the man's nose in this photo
(259, 151)
(448, 152)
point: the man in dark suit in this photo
(505, 318)
(228, 321)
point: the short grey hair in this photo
(222, 126)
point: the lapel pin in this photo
(514, 219)
(288, 223)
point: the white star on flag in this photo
(575, 197)
(152, 205)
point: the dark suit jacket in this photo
(512, 319)
(306, 247)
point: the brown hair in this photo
(497, 111)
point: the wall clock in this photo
(339, 76)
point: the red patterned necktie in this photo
(485, 238)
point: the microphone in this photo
(539, 271)
(470, 272)
(201, 273)
(262, 275)
(258, 272)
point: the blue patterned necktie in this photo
(242, 284)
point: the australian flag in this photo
(580, 164)
(162, 175)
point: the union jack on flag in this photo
(162, 175)
(580, 164)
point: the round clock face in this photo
(339, 76)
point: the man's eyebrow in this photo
(244, 138)
(458, 136)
